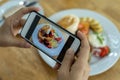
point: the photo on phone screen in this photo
(48, 37)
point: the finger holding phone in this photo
(49, 37)
(41, 27)
(78, 69)
(10, 29)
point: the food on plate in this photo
(96, 40)
(101, 52)
(69, 22)
(94, 25)
(91, 28)
(94, 32)
(48, 36)
(84, 27)
(98, 44)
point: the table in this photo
(26, 64)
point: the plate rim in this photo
(93, 13)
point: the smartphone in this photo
(49, 37)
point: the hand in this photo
(76, 69)
(10, 29)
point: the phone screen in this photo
(49, 38)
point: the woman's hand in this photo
(10, 29)
(76, 69)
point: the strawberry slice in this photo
(49, 46)
(58, 39)
(51, 34)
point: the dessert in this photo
(48, 36)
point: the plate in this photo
(53, 51)
(12, 4)
(97, 65)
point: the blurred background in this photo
(26, 64)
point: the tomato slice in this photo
(104, 51)
(107, 49)
(101, 52)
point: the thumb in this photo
(68, 60)
(20, 43)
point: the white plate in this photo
(53, 51)
(8, 5)
(97, 65)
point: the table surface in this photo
(26, 64)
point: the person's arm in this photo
(76, 69)
(10, 29)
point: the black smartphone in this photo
(48, 36)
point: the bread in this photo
(69, 22)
